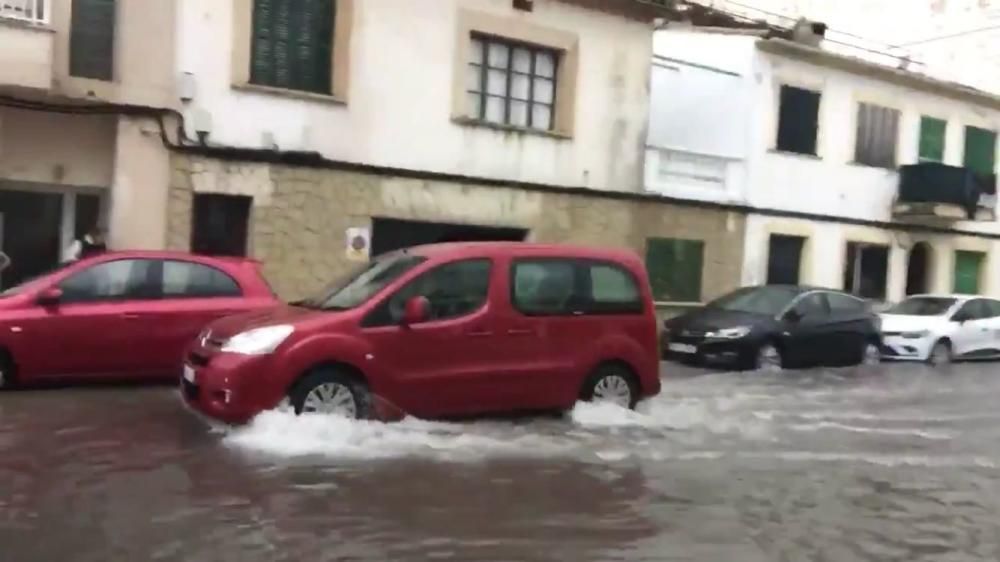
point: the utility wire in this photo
(951, 36)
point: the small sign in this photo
(4, 261)
(358, 244)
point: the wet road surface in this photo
(900, 463)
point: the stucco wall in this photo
(823, 256)
(399, 105)
(55, 148)
(300, 215)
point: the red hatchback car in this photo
(441, 331)
(120, 315)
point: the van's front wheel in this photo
(612, 383)
(332, 392)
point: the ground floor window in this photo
(866, 269)
(675, 268)
(784, 258)
(219, 224)
(968, 271)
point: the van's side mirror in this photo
(50, 297)
(418, 309)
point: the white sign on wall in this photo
(358, 243)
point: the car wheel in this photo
(769, 359)
(330, 391)
(871, 355)
(613, 384)
(940, 354)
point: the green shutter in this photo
(980, 150)
(292, 45)
(92, 39)
(932, 134)
(675, 269)
(968, 266)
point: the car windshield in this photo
(923, 306)
(357, 288)
(768, 301)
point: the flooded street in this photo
(898, 464)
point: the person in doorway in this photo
(88, 245)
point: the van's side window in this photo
(454, 290)
(556, 287)
(614, 290)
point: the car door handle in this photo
(519, 332)
(479, 333)
(131, 316)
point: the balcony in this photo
(940, 193)
(28, 44)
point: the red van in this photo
(441, 331)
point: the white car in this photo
(942, 328)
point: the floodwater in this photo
(899, 463)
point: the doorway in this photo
(784, 257)
(918, 269)
(389, 235)
(866, 270)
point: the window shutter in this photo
(675, 269)
(92, 39)
(292, 44)
(932, 133)
(980, 150)
(967, 268)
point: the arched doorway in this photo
(918, 269)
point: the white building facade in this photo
(851, 175)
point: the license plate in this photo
(189, 374)
(682, 348)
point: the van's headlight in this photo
(916, 335)
(259, 341)
(729, 333)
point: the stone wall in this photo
(300, 216)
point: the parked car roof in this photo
(522, 247)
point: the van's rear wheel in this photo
(332, 392)
(940, 354)
(612, 383)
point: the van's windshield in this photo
(362, 284)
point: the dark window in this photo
(865, 270)
(980, 151)
(878, 131)
(845, 303)
(453, 290)
(511, 83)
(993, 307)
(783, 259)
(92, 39)
(976, 309)
(87, 214)
(798, 120)
(219, 225)
(932, 135)
(292, 45)
(559, 287)
(813, 305)
(675, 269)
(194, 280)
(116, 280)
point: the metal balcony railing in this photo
(934, 183)
(31, 11)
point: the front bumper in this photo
(230, 388)
(712, 352)
(898, 348)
